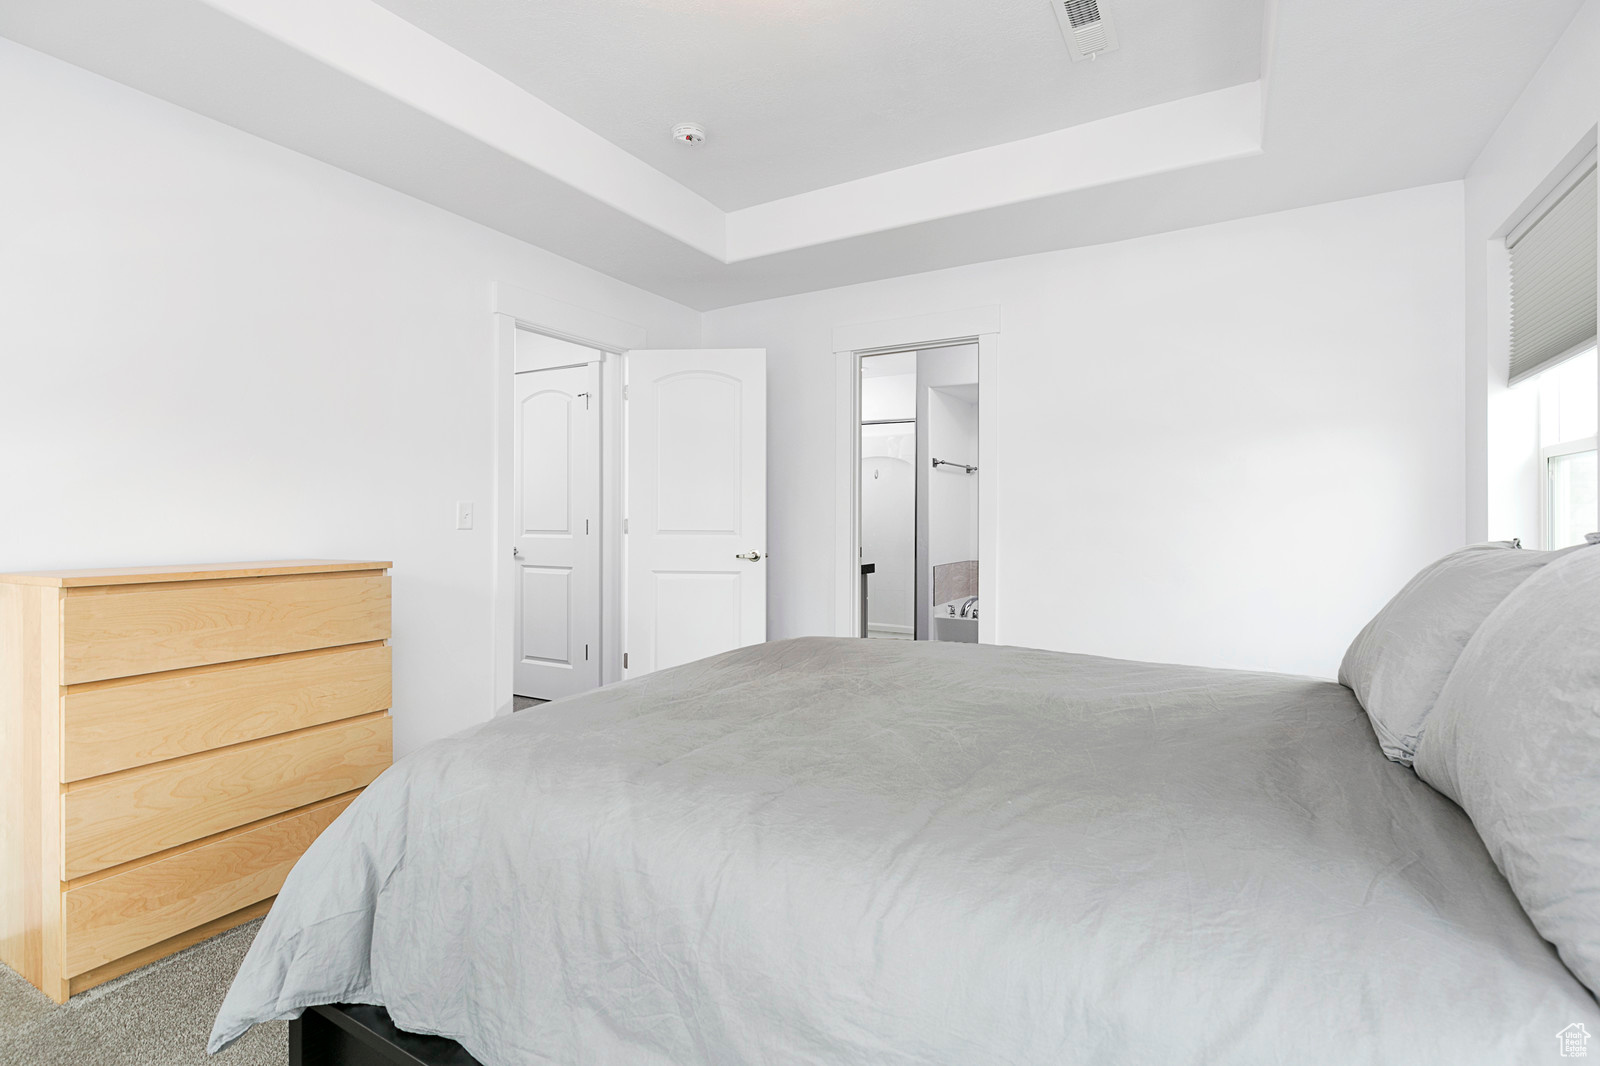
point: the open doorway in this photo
(695, 494)
(888, 509)
(918, 507)
(579, 602)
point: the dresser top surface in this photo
(143, 575)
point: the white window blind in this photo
(1554, 276)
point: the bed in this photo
(854, 851)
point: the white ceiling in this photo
(801, 94)
(1355, 98)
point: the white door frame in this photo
(515, 309)
(947, 328)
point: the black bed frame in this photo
(343, 1034)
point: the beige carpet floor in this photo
(157, 1016)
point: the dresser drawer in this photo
(115, 725)
(139, 812)
(121, 631)
(142, 905)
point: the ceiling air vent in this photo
(1088, 30)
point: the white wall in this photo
(1226, 445)
(214, 348)
(1552, 123)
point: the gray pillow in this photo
(1515, 739)
(1398, 663)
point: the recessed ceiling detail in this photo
(807, 94)
(853, 141)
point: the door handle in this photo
(516, 553)
(750, 557)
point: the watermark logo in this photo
(1574, 1041)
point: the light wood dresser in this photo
(171, 740)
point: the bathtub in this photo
(950, 623)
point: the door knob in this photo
(750, 557)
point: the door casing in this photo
(939, 330)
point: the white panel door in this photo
(557, 532)
(696, 537)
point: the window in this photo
(1569, 401)
(1555, 317)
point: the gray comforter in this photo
(878, 852)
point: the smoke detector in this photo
(690, 133)
(1087, 28)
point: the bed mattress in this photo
(885, 852)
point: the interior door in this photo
(558, 532)
(696, 532)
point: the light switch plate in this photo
(463, 516)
